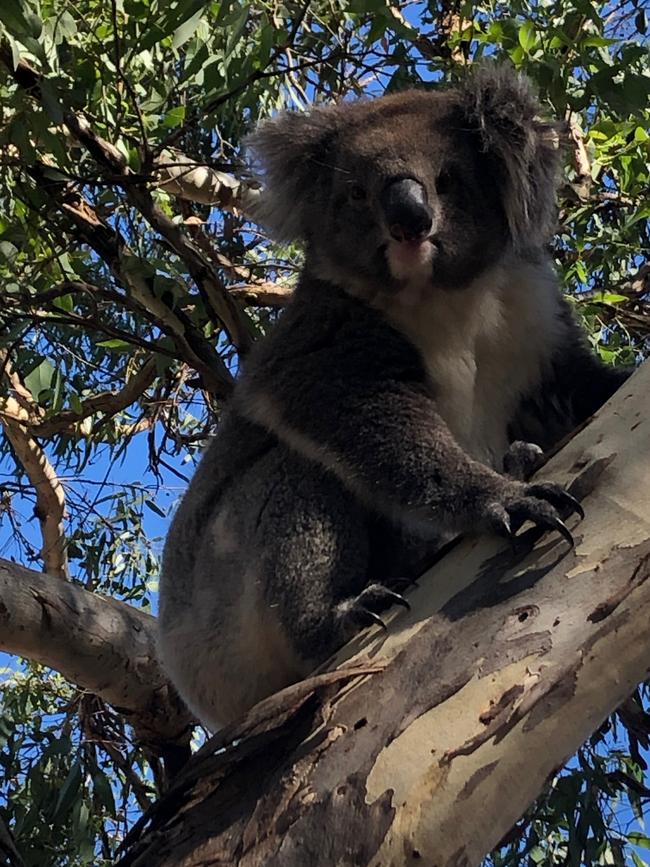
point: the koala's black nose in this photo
(406, 209)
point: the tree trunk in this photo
(505, 664)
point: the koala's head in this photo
(423, 186)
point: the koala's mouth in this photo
(411, 260)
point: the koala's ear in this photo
(292, 156)
(501, 105)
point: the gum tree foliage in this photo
(125, 310)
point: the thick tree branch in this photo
(109, 403)
(100, 644)
(50, 496)
(186, 179)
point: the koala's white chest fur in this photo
(484, 347)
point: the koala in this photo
(395, 402)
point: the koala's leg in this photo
(287, 545)
(315, 536)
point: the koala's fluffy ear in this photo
(501, 104)
(292, 153)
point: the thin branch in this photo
(50, 495)
(127, 84)
(206, 278)
(263, 294)
(109, 403)
(257, 75)
(135, 782)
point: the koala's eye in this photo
(444, 182)
(356, 192)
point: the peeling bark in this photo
(185, 178)
(505, 664)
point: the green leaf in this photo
(236, 28)
(64, 302)
(116, 343)
(103, 792)
(174, 16)
(174, 117)
(640, 21)
(17, 17)
(638, 839)
(154, 508)
(527, 36)
(40, 378)
(187, 29)
(68, 792)
(8, 251)
(57, 397)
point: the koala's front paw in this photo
(363, 610)
(540, 502)
(521, 460)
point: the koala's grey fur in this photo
(373, 422)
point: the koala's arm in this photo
(575, 384)
(586, 381)
(360, 407)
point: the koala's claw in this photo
(362, 614)
(559, 525)
(538, 503)
(378, 597)
(396, 599)
(499, 520)
(556, 495)
(362, 609)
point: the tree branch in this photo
(265, 294)
(100, 644)
(107, 155)
(109, 403)
(206, 278)
(50, 496)
(111, 247)
(581, 162)
(196, 182)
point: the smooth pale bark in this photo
(505, 664)
(101, 644)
